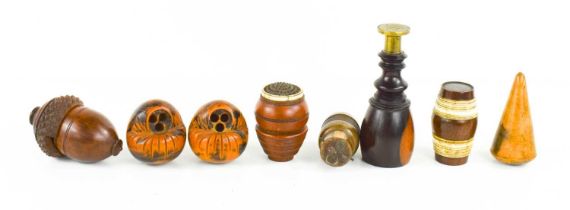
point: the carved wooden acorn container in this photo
(218, 132)
(63, 127)
(156, 133)
(338, 140)
(281, 115)
(454, 122)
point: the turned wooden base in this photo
(451, 161)
(277, 158)
(280, 148)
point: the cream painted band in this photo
(455, 110)
(282, 98)
(452, 149)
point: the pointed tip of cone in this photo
(519, 85)
(520, 77)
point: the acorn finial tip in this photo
(33, 115)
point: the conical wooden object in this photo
(514, 140)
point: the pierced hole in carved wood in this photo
(214, 118)
(224, 118)
(219, 127)
(152, 119)
(159, 127)
(162, 116)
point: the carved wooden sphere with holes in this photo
(63, 127)
(156, 133)
(218, 132)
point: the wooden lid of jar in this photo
(455, 90)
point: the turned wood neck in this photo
(391, 85)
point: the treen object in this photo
(218, 132)
(63, 127)
(156, 133)
(338, 139)
(454, 122)
(387, 133)
(514, 140)
(281, 114)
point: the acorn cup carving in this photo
(514, 140)
(218, 132)
(156, 133)
(64, 128)
(338, 140)
(281, 114)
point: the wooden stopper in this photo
(454, 122)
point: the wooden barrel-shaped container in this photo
(281, 115)
(339, 139)
(454, 122)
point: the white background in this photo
(115, 55)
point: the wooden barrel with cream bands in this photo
(454, 122)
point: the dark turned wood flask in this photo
(454, 122)
(65, 128)
(387, 132)
(156, 133)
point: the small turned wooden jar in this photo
(454, 123)
(338, 140)
(156, 133)
(63, 127)
(218, 132)
(281, 115)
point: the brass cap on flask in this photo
(393, 32)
